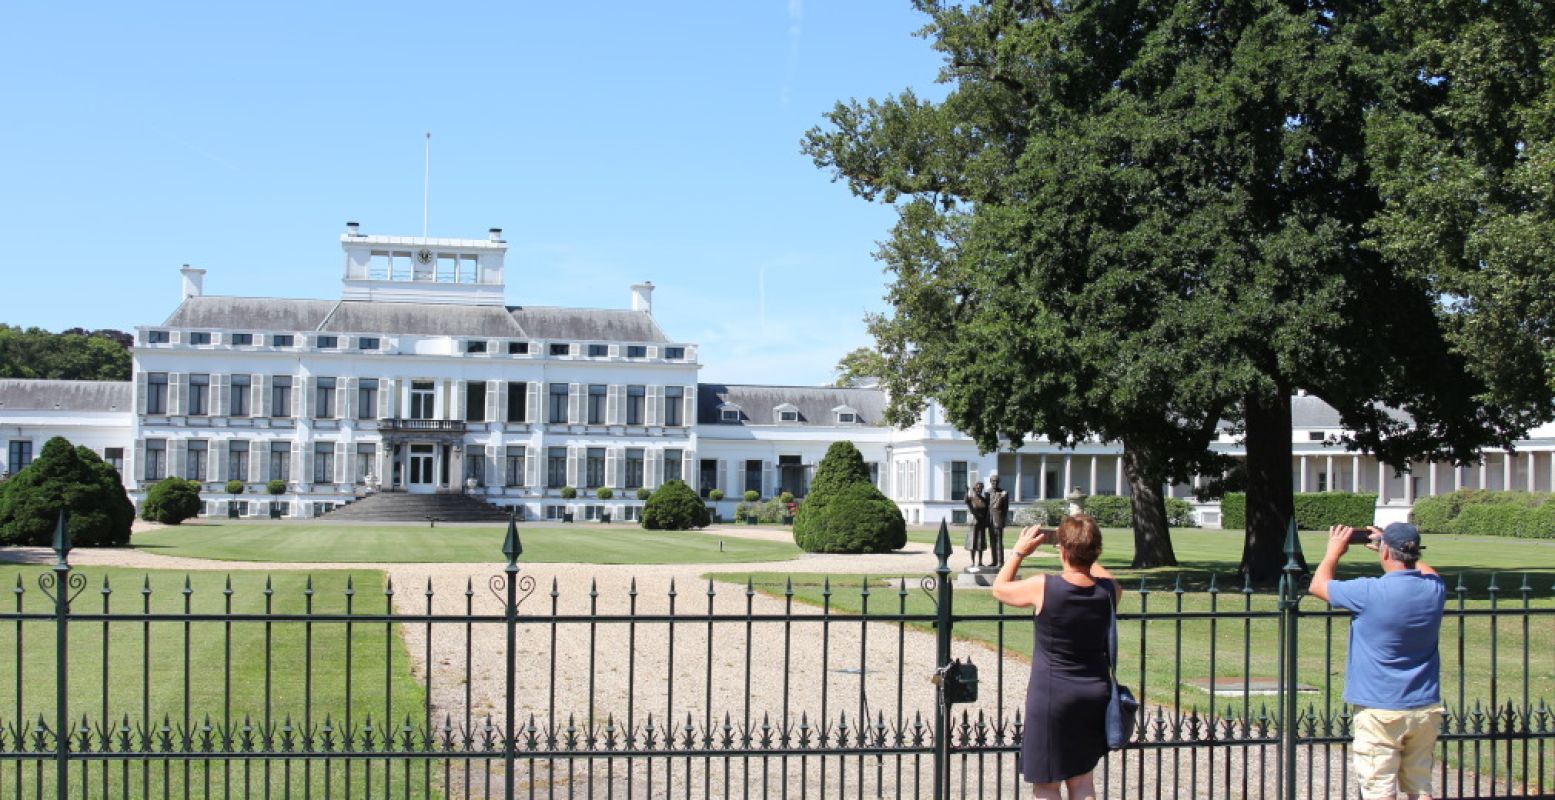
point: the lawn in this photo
(183, 675)
(342, 543)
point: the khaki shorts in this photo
(1393, 750)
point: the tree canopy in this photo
(73, 355)
(1138, 219)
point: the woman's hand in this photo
(1031, 537)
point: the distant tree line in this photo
(74, 354)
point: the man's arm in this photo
(1338, 543)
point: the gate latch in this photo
(958, 680)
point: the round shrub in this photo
(674, 506)
(604, 493)
(751, 495)
(844, 512)
(276, 486)
(98, 511)
(234, 486)
(786, 498)
(569, 493)
(643, 493)
(1179, 513)
(715, 495)
(171, 501)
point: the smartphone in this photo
(1361, 535)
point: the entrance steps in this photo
(406, 507)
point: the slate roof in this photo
(424, 319)
(1307, 411)
(815, 403)
(18, 395)
(599, 324)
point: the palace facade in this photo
(421, 379)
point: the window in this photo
(323, 462)
(729, 415)
(513, 467)
(156, 393)
(21, 455)
(156, 459)
(753, 476)
(367, 398)
(475, 467)
(475, 346)
(958, 480)
(560, 349)
(422, 400)
(672, 470)
(599, 350)
(240, 387)
(475, 401)
(675, 353)
(788, 416)
(197, 460)
(281, 340)
(199, 395)
(1315, 436)
(557, 411)
(556, 467)
(281, 396)
(518, 348)
(115, 458)
(325, 389)
(846, 418)
(200, 337)
(237, 460)
(243, 338)
(634, 468)
(674, 401)
(518, 400)
(636, 398)
(157, 337)
(596, 404)
(708, 479)
(365, 454)
(327, 342)
(280, 461)
(594, 468)
(368, 343)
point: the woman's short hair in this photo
(1080, 538)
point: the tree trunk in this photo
(1152, 541)
(1270, 506)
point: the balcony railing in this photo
(436, 425)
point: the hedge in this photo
(1109, 511)
(1528, 515)
(170, 501)
(99, 513)
(674, 506)
(1315, 511)
(844, 512)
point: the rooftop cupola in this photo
(414, 269)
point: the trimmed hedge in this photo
(171, 501)
(770, 511)
(844, 512)
(674, 506)
(1108, 510)
(1315, 511)
(98, 511)
(1528, 515)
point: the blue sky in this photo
(613, 143)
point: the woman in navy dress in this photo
(1065, 733)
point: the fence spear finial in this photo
(61, 538)
(511, 546)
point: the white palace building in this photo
(421, 379)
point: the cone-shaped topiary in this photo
(674, 506)
(171, 501)
(844, 512)
(98, 510)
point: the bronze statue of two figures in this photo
(986, 513)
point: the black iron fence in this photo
(347, 686)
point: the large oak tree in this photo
(1137, 219)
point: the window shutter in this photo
(310, 397)
(178, 454)
(387, 392)
(688, 415)
(214, 405)
(461, 396)
(944, 481)
(768, 486)
(613, 467)
(140, 393)
(216, 465)
(613, 415)
(262, 385)
(720, 481)
(653, 461)
(496, 465)
(496, 404)
(572, 466)
(534, 461)
(175, 392)
(343, 461)
(652, 404)
(653, 351)
(258, 455)
(574, 403)
(345, 397)
(140, 456)
(300, 464)
(971, 475)
(296, 397)
(532, 406)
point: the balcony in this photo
(422, 425)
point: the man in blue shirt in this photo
(1393, 672)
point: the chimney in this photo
(495, 234)
(642, 296)
(353, 229)
(194, 281)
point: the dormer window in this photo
(200, 337)
(788, 416)
(475, 346)
(599, 350)
(846, 415)
(157, 337)
(786, 413)
(242, 339)
(559, 349)
(728, 412)
(327, 342)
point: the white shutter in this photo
(215, 397)
(140, 458)
(258, 456)
(496, 392)
(613, 467)
(944, 481)
(310, 398)
(574, 403)
(532, 404)
(177, 382)
(496, 465)
(216, 465)
(971, 475)
(461, 396)
(688, 415)
(720, 478)
(345, 397)
(140, 392)
(387, 390)
(572, 466)
(653, 466)
(534, 461)
(178, 454)
(768, 486)
(613, 397)
(300, 464)
(343, 461)
(652, 404)
(296, 397)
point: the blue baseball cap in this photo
(1402, 538)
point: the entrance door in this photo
(421, 480)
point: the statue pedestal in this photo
(974, 577)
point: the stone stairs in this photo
(406, 507)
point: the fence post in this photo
(61, 586)
(942, 631)
(512, 548)
(1290, 613)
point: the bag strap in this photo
(1112, 633)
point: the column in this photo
(1068, 476)
(1533, 464)
(1042, 476)
(1506, 471)
(1302, 464)
(1355, 474)
(1117, 476)
(1019, 478)
(1457, 477)
(1092, 488)
(1329, 483)
(1382, 482)
(1430, 478)
(1484, 472)
(1409, 486)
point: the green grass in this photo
(124, 679)
(315, 543)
